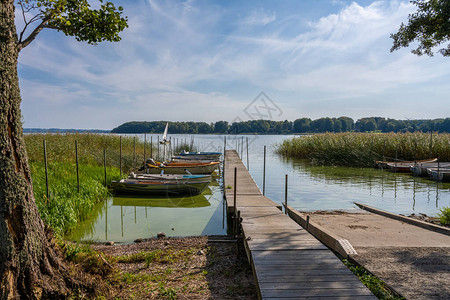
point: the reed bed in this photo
(66, 207)
(363, 149)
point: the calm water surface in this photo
(309, 188)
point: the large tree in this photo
(429, 26)
(29, 264)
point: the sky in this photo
(234, 60)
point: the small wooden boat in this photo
(193, 160)
(439, 174)
(401, 166)
(150, 187)
(152, 167)
(170, 177)
(420, 169)
(200, 155)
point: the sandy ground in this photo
(196, 268)
(412, 260)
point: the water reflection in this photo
(374, 185)
(126, 218)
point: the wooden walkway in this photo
(287, 261)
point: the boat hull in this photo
(145, 187)
(183, 168)
(171, 177)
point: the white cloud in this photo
(258, 17)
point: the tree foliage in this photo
(429, 26)
(74, 18)
(301, 125)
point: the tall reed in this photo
(66, 207)
(363, 149)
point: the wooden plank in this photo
(300, 297)
(305, 279)
(312, 284)
(304, 272)
(317, 292)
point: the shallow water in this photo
(309, 188)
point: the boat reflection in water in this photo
(181, 202)
(125, 218)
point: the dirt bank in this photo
(180, 268)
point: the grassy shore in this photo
(65, 206)
(362, 149)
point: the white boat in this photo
(420, 169)
(200, 155)
(164, 140)
(152, 167)
(439, 174)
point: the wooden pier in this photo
(287, 261)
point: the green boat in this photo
(150, 187)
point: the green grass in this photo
(362, 149)
(66, 207)
(375, 285)
(444, 215)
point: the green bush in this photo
(444, 215)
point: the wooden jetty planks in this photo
(287, 261)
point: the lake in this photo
(310, 187)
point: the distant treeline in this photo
(58, 130)
(302, 125)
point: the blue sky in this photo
(208, 60)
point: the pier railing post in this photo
(286, 194)
(307, 223)
(234, 204)
(248, 167)
(264, 173)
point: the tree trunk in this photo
(29, 263)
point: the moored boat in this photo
(152, 167)
(439, 174)
(401, 166)
(200, 155)
(420, 169)
(150, 187)
(170, 177)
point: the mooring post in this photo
(224, 159)
(248, 167)
(46, 170)
(120, 157)
(264, 173)
(238, 220)
(431, 144)
(234, 203)
(145, 143)
(151, 146)
(104, 163)
(307, 223)
(286, 194)
(76, 160)
(134, 152)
